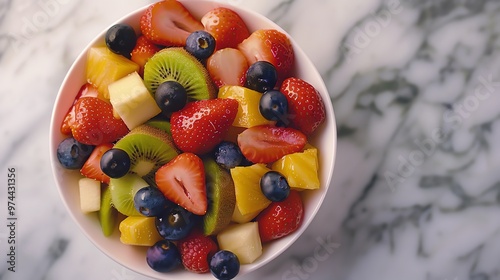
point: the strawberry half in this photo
(168, 23)
(201, 125)
(226, 26)
(305, 105)
(265, 144)
(196, 249)
(272, 46)
(280, 219)
(182, 181)
(94, 122)
(143, 51)
(227, 67)
(92, 167)
(86, 90)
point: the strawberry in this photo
(265, 144)
(272, 46)
(143, 51)
(201, 125)
(182, 181)
(168, 23)
(226, 26)
(94, 122)
(305, 105)
(196, 249)
(227, 67)
(92, 167)
(280, 219)
(86, 90)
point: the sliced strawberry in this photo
(196, 249)
(201, 125)
(226, 26)
(265, 144)
(92, 167)
(272, 46)
(227, 67)
(143, 51)
(168, 23)
(280, 219)
(182, 181)
(94, 122)
(86, 90)
(305, 105)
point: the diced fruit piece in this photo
(139, 231)
(161, 124)
(168, 23)
(300, 169)
(227, 67)
(132, 101)
(273, 106)
(249, 197)
(200, 44)
(163, 256)
(92, 167)
(142, 52)
(73, 154)
(182, 181)
(90, 195)
(123, 191)
(224, 265)
(270, 45)
(240, 218)
(226, 26)
(176, 223)
(248, 105)
(115, 163)
(94, 122)
(107, 213)
(265, 144)
(274, 186)
(201, 125)
(281, 218)
(221, 198)
(150, 202)
(228, 155)
(170, 97)
(231, 238)
(87, 90)
(305, 105)
(261, 76)
(120, 39)
(196, 249)
(104, 67)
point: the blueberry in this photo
(274, 186)
(115, 163)
(273, 106)
(228, 155)
(163, 256)
(261, 76)
(200, 44)
(121, 39)
(175, 223)
(150, 202)
(224, 265)
(170, 97)
(73, 154)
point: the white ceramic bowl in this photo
(134, 257)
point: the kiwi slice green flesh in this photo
(149, 148)
(107, 213)
(122, 192)
(176, 64)
(221, 198)
(161, 124)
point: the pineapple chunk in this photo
(104, 67)
(139, 230)
(249, 196)
(231, 239)
(240, 218)
(132, 101)
(300, 169)
(248, 110)
(90, 195)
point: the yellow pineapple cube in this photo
(300, 169)
(248, 109)
(240, 218)
(104, 67)
(139, 230)
(249, 197)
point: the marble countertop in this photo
(416, 91)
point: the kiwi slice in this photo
(161, 124)
(123, 190)
(176, 64)
(149, 148)
(107, 213)
(221, 198)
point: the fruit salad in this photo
(192, 138)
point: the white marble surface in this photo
(416, 89)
